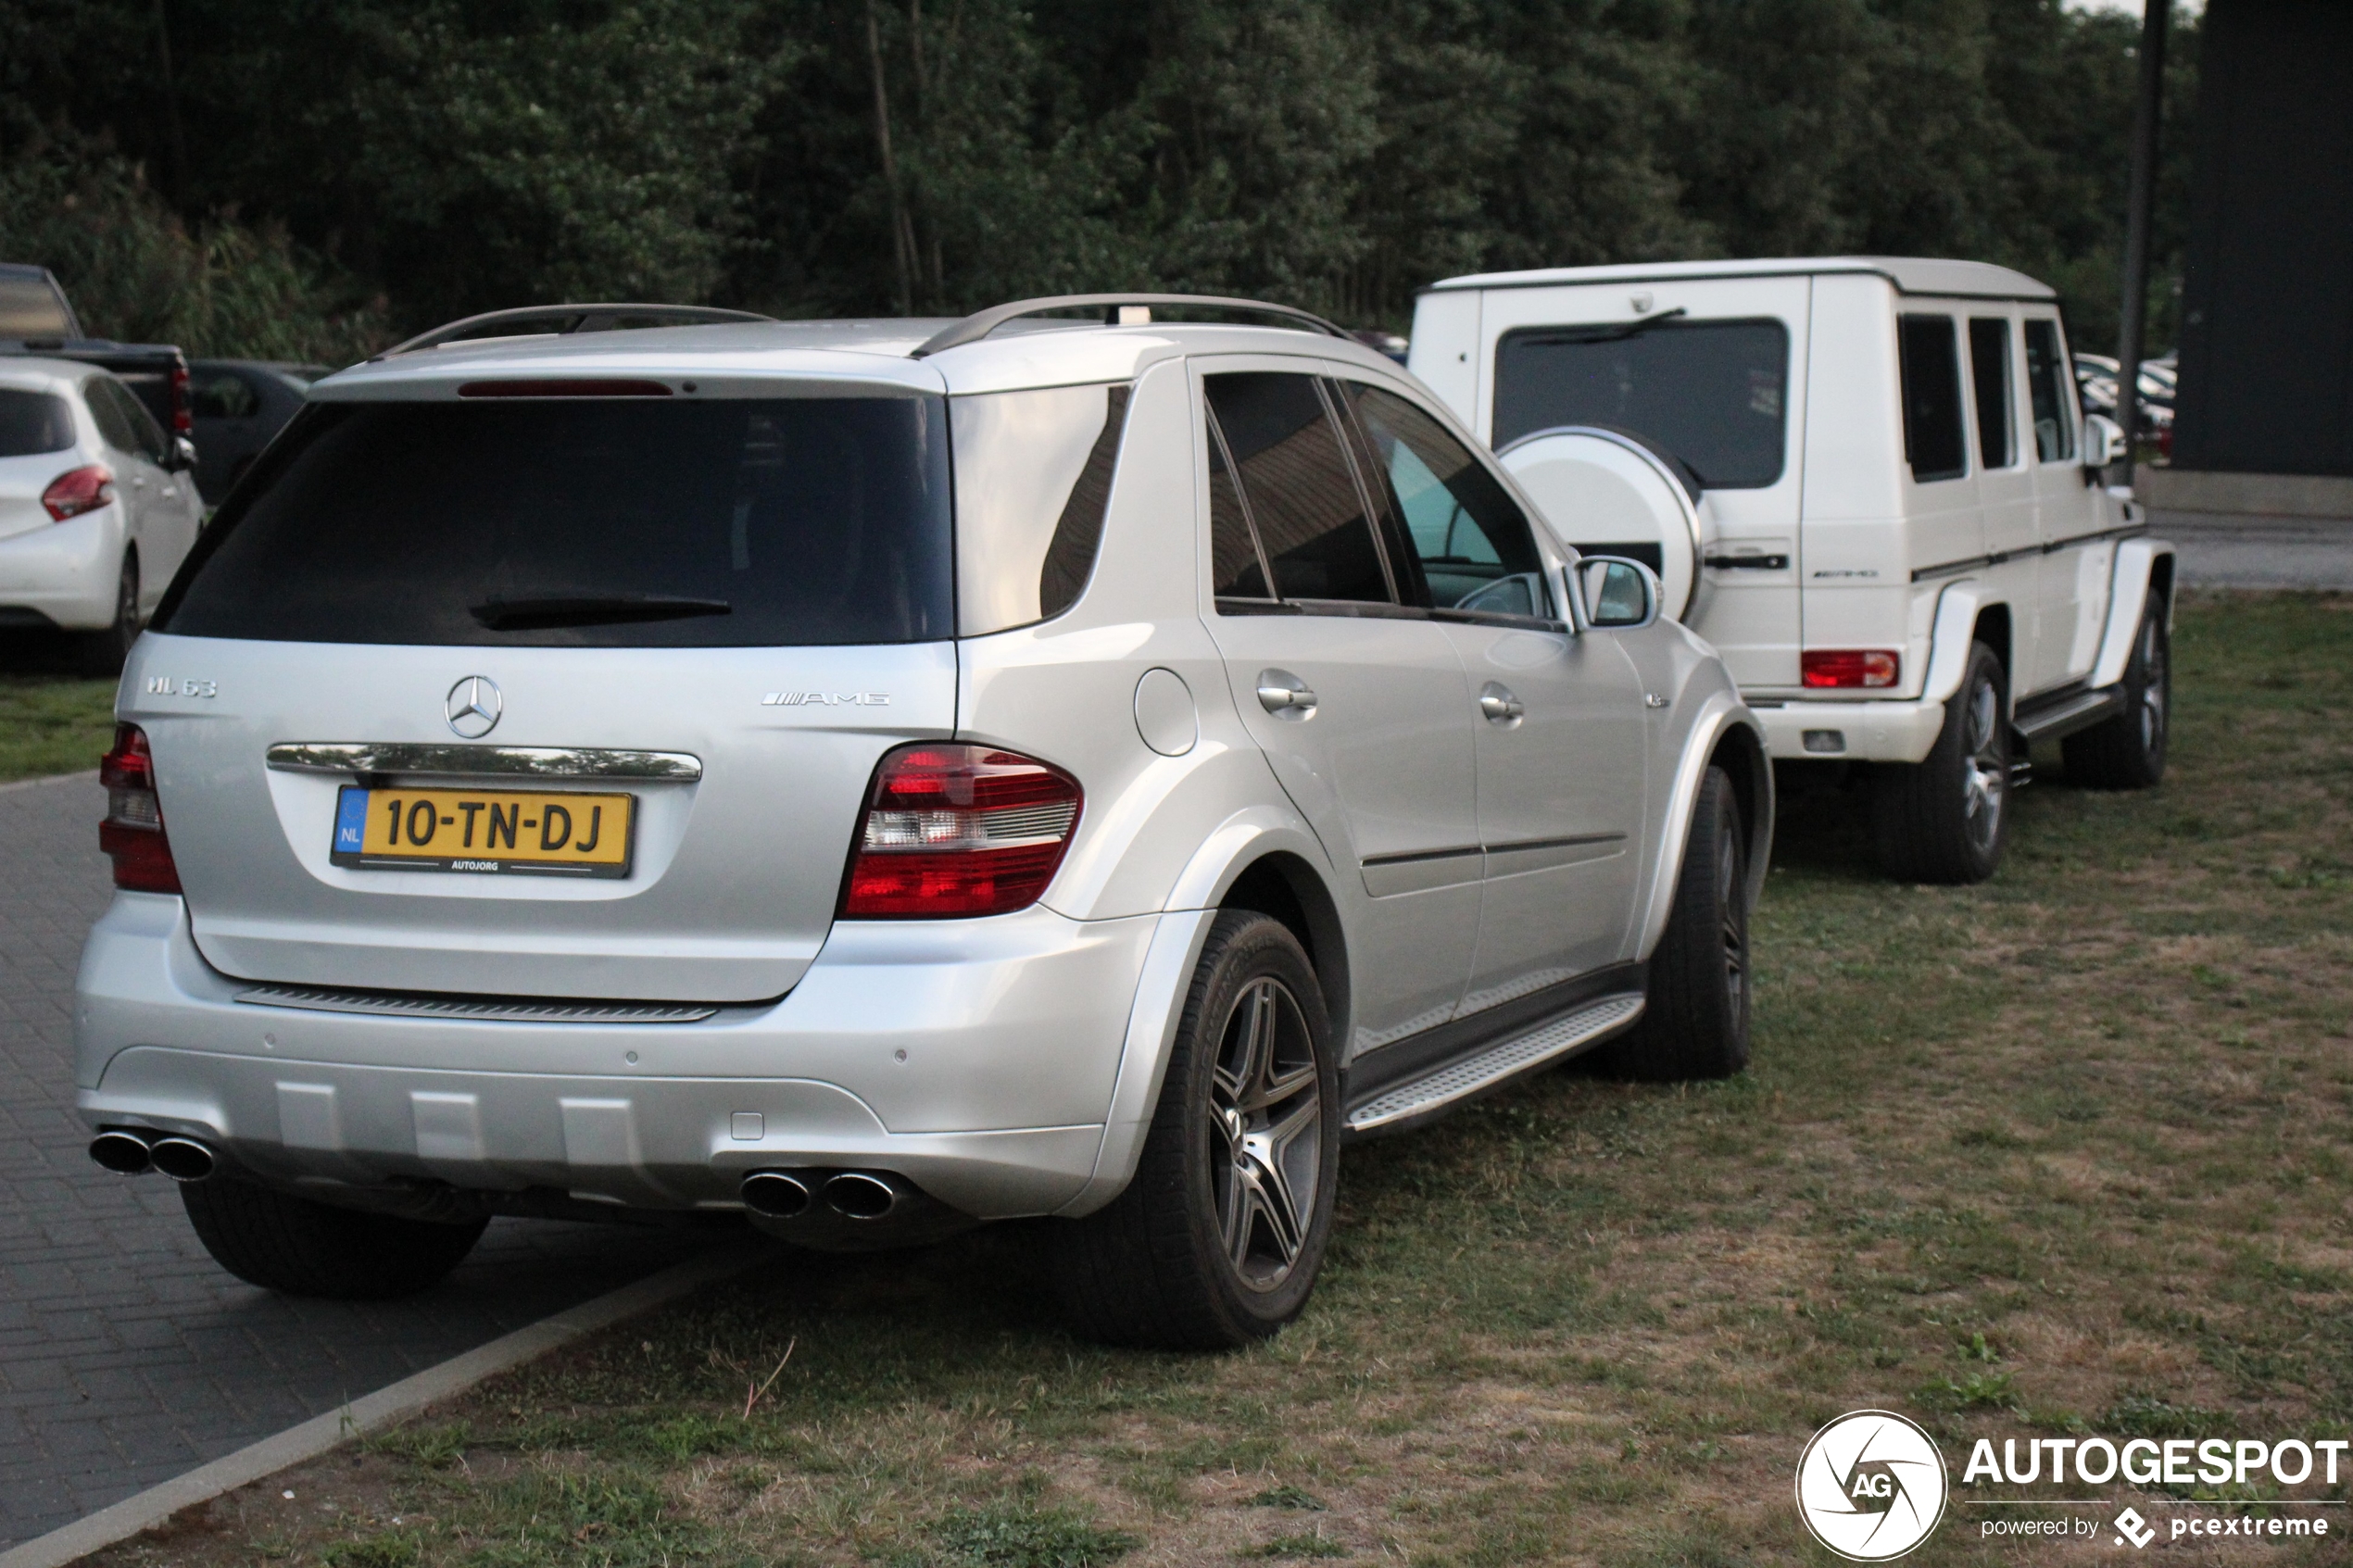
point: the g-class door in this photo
(2070, 605)
(1563, 737)
(1358, 700)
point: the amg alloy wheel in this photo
(1695, 1023)
(1217, 1239)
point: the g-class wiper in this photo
(502, 614)
(1632, 329)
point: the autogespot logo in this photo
(1870, 1486)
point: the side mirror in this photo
(1618, 594)
(183, 456)
(2103, 441)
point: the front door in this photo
(1358, 700)
(1561, 741)
(2071, 596)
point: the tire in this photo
(2128, 751)
(1695, 1025)
(1214, 1244)
(1947, 819)
(299, 1247)
(102, 653)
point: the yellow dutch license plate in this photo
(549, 833)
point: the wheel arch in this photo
(1725, 734)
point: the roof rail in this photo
(533, 320)
(979, 325)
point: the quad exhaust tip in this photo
(788, 1194)
(778, 1194)
(133, 1153)
(124, 1153)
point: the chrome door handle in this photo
(1496, 701)
(1285, 695)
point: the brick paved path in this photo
(126, 1356)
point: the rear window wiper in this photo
(501, 614)
(1618, 334)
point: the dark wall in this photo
(2266, 328)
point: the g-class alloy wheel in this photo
(1945, 819)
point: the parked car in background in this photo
(35, 318)
(238, 406)
(620, 775)
(97, 505)
(2096, 379)
(1866, 482)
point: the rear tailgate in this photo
(732, 875)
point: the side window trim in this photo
(1225, 454)
(1406, 585)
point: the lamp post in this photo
(2156, 14)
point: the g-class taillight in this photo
(133, 834)
(1849, 667)
(951, 829)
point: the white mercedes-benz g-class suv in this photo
(1866, 482)
(879, 777)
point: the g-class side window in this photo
(1284, 500)
(2049, 384)
(1933, 443)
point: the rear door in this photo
(1713, 369)
(1560, 742)
(722, 611)
(1358, 700)
(173, 508)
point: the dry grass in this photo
(2070, 1149)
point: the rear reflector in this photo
(564, 389)
(79, 490)
(958, 830)
(1849, 667)
(133, 834)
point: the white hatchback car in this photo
(879, 777)
(97, 505)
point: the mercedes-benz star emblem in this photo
(475, 707)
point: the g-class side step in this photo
(1466, 1076)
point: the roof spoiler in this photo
(1119, 311)
(543, 320)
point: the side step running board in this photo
(2078, 712)
(1460, 1079)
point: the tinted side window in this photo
(1989, 369)
(1931, 363)
(143, 429)
(113, 428)
(1033, 480)
(32, 423)
(1302, 497)
(1469, 538)
(222, 396)
(1711, 392)
(586, 523)
(1236, 570)
(2051, 387)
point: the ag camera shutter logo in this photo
(1870, 1486)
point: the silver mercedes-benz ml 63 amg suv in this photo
(877, 778)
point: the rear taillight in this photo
(183, 419)
(79, 490)
(133, 834)
(1849, 667)
(958, 830)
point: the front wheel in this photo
(1945, 818)
(1217, 1239)
(2128, 751)
(1695, 1022)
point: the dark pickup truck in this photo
(35, 318)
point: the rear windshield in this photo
(586, 523)
(29, 307)
(32, 423)
(1711, 392)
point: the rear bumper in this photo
(1860, 731)
(67, 571)
(975, 1058)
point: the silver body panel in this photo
(1008, 1064)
